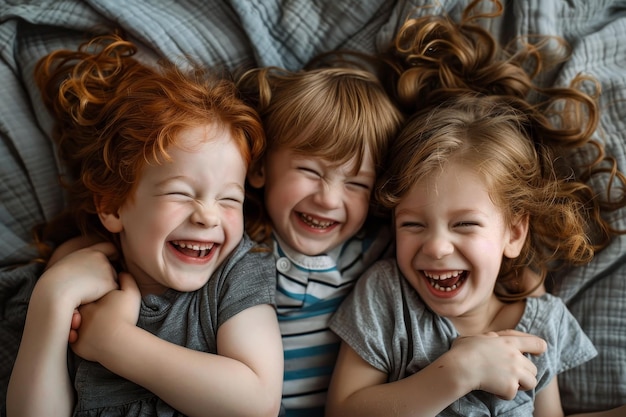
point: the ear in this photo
(111, 221)
(256, 174)
(517, 237)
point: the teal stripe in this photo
(305, 412)
(317, 309)
(307, 373)
(309, 299)
(311, 351)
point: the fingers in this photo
(128, 284)
(73, 337)
(107, 248)
(522, 376)
(527, 381)
(76, 319)
(526, 343)
(74, 326)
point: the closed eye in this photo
(360, 185)
(233, 200)
(179, 193)
(466, 224)
(410, 225)
(309, 171)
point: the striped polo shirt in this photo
(309, 290)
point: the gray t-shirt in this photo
(390, 327)
(191, 319)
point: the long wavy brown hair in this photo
(472, 100)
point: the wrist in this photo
(457, 377)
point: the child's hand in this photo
(74, 325)
(89, 244)
(495, 362)
(82, 276)
(100, 321)
(91, 268)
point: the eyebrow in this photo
(188, 179)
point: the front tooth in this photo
(444, 276)
(194, 247)
(315, 221)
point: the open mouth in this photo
(193, 249)
(316, 223)
(446, 282)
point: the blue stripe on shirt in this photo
(318, 309)
(311, 351)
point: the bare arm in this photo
(548, 401)
(71, 246)
(244, 379)
(488, 362)
(40, 383)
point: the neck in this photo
(494, 316)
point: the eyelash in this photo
(233, 199)
(310, 170)
(411, 225)
(314, 172)
(180, 193)
(466, 224)
(414, 225)
(360, 185)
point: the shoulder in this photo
(545, 314)
(547, 303)
(252, 257)
(382, 287)
(548, 317)
(250, 269)
(383, 274)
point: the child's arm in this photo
(548, 401)
(40, 383)
(72, 245)
(245, 378)
(488, 362)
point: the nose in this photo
(329, 195)
(437, 245)
(205, 215)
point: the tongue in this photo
(449, 282)
(189, 251)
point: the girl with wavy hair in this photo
(483, 207)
